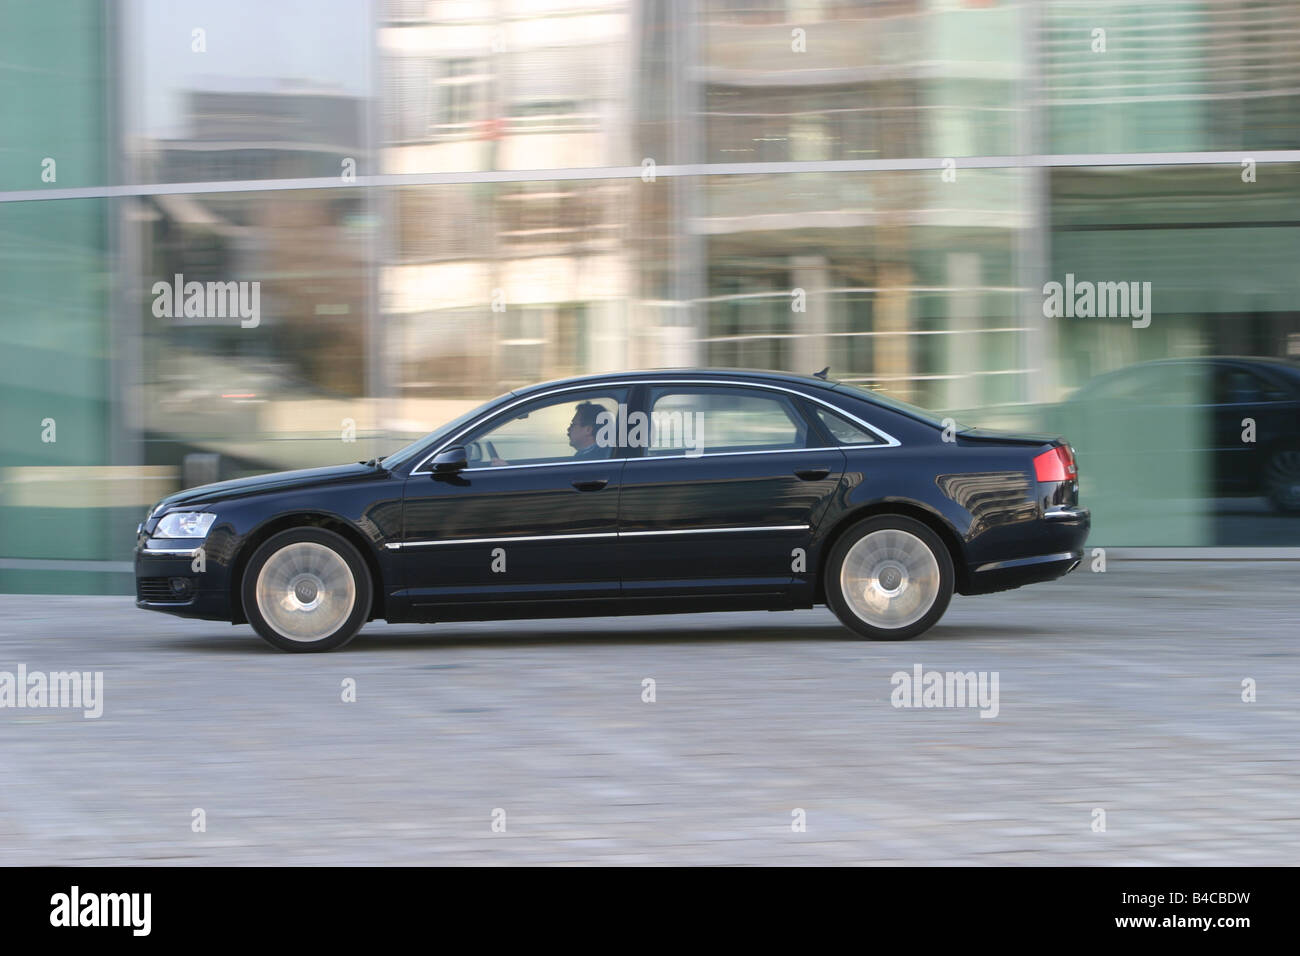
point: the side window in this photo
(842, 430)
(573, 427)
(1238, 386)
(703, 421)
(1176, 383)
(1126, 385)
(1180, 384)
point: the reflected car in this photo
(630, 493)
(1177, 427)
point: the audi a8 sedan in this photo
(630, 493)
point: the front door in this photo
(533, 518)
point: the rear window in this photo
(842, 430)
(907, 408)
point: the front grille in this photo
(157, 590)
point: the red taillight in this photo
(1055, 464)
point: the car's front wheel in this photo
(889, 578)
(306, 589)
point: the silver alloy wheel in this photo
(890, 578)
(1283, 477)
(305, 591)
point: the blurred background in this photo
(444, 199)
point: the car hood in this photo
(277, 481)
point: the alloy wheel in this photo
(890, 578)
(305, 591)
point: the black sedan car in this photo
(629, 493)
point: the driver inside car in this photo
(581, 434)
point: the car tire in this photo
(1282, 479)
(307, 590)
(889, 578)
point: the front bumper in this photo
(168, 579)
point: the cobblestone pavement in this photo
(1119, 691)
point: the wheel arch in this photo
(305, 519)
(904, 509)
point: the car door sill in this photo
(612, 606)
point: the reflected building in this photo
(490, 285)
(310, 251)
(551, 187)
(906, 280)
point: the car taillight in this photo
(1056, 464)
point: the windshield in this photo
(880, 397)
(429, 442)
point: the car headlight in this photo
(184, 524)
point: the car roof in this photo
(686, 375)
(1288, 368)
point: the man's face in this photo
(580, 436)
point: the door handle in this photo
(812, 474)
(593, 484)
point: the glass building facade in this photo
(425, 203)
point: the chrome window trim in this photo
(889, 441)
(715, 454)
(757, 451)
(399, 545)
(538, 464)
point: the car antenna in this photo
(823, 373)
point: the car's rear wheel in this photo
(1282, 480)
(889, 578)
(307, 589)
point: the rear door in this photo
(731, 481)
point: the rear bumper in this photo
(1004, 575)
(1058, 539)
(1070, 517)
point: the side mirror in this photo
(450, 461)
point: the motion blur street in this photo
(1119, 691)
